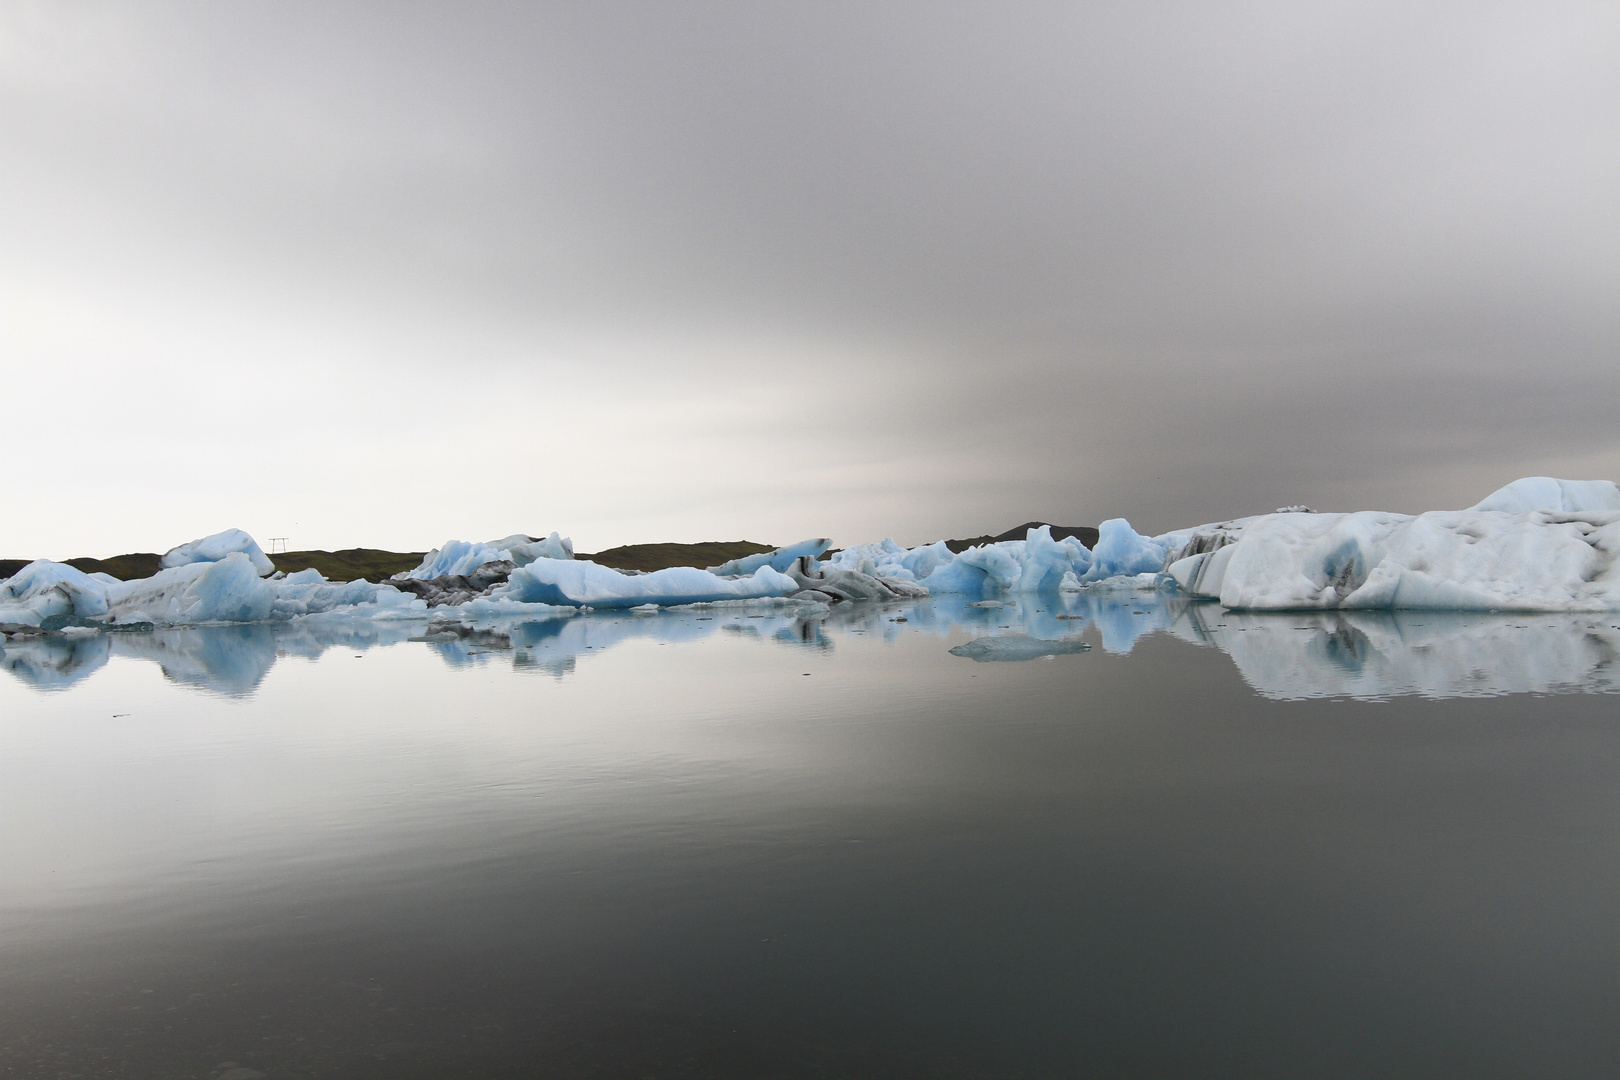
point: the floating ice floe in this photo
(1017, 647)
(582, 583)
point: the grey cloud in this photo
(1169, 261)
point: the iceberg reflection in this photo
(1437, 654)
(1356, 654)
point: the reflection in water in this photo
(1440, 654)
(1361, 654)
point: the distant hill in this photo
(1084, 533)
(350, 564)
(136, 564)
(375, 564)
(663, 556)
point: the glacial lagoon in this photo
(1111, 834)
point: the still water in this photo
(726, 843)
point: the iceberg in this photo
(1538, 544)
(43, 589)
(888, 559)
(459, 558)
(307, 593)
(582, 583)
(779, 559)
(228, 590)
(1444, 559)
(1036, 563)
(523, 550)
(1122, 552)
(831, 585)
(1551, 496)
(456, 558)
(217, 547)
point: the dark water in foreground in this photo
(716, 845)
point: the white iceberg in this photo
(217, 547)
(462, 557)
(1544, 493)
(522, 551)
(227, 590)
(44, 588)
(888, 559)
(1035, 564)
(307, 594)
(1475, 560)
(582, 583)
(779, 559)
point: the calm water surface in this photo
(724, 844)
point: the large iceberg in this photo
(1536, 545)
(44, 589)
(226, 590)
(217, 547)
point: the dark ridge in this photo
(136, 564)
(1084, 533)
(350, 564)
(374, 564)
(663, 556)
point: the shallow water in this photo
(727, 843)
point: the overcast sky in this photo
(386, 274)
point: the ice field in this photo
(1536, 545)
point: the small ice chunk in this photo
(1016, 647)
